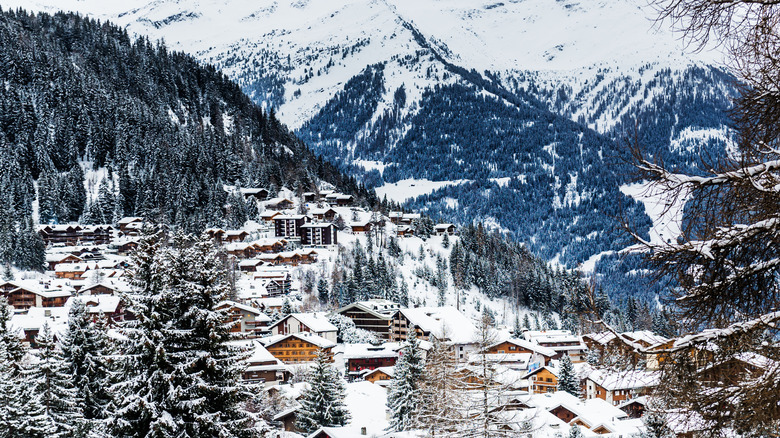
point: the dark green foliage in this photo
(77, 90)
(322, 405)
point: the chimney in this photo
(363, 430)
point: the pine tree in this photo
(567, 378)
(575, 432)
(322, 290)
(179, 374)
(54, 384)
(517, 330)
(9, 338)
(84, 346)
(322, 405)
(403, 398)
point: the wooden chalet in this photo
(617, 387)
(52, 260)
(245, 319)
(127, 246)
(298, 347)
(322, 234)
(361, 227)
(72, 271)
(323, 214)
(69, 235)
(374, 315)
(442, 229)
(250, 266)
(539, 354)
(268, 216)
(241, 250)
(279, 204)
(270, 245)
(339, 199)
(542, 380)
(24, 295)
(361, 357)
(380, 374)
(257, 193)
(263, 367)
(315, 323)
(124, 223)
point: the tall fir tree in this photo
(567, 377)
(85, 347)
(53, 384)
(404, 397)
(322, 405)
(179, 372)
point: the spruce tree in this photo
(322, 405)
(53, 384)
(9, 337)
(567, 378)
(322, 290)
(575, 432)
(404, 398)
(84, 346)
(179, 373)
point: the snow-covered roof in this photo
(257, 312)
(533, 346)
(365, 351)
(315, 321)
(290, 216)
(311, 338)
(97, 303)
(446, 323)
(634, 379)
(36, 317)
(390, 371)
(551, 336)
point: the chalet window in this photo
(512, 348)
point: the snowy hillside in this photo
(513, 113)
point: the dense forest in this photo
(81, 95)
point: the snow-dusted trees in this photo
(567, 377)
(485, 387)
(84, 347)
(727, 259)
(403, 398)
(53, 385)
(348, 333)
(439, 391)
(322, 405)
(179, 374)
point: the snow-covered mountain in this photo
(517, 109)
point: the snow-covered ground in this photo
(411, 188)
(666, 214)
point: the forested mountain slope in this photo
(171, 133)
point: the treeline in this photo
(170, 131)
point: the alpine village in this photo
(353, 218)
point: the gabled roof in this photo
(316, 322)
(528, 345)
(365, 351)
(390, 371)
(257, 312)
(552, 371)
(368, 308)
(616, 380)
(313, 339)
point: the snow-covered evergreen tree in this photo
(84, 346)
(575, 432)
(9, 337)
(567, 378)
(179, 373)
(656, 425)
(322, 405)
(404, 398)
(53, 385)
(322, 290)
